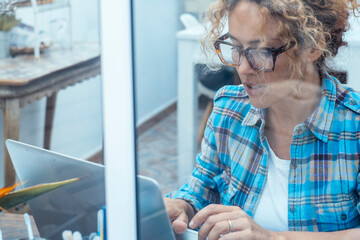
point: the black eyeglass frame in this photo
(274, 52)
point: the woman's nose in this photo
(245, 67)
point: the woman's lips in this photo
(253, 89)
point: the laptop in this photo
(75, 206)
(154, 221)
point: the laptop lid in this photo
(74, 206)
(71, 207)
(153, 218)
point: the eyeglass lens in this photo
(259, 59)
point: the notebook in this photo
(74, 206)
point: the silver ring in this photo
(230, 225)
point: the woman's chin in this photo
(259, 103)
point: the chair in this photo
(209, 82)
(188, 20)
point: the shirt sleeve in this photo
(201, 189)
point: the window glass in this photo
(267, 117)
(159, 92)
(51, 98)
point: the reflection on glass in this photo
(156, 89)
(50, 91)
(279, 151)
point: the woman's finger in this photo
(245, 228)
(180, 224)
(179, 212)
(210, 210)
(220, 228)
(220, 223)
(242, 235)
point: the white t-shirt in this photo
(272, 210)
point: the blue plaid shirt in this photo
(324, 178)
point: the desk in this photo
(24, 79)
(13, 226)
(189, 53)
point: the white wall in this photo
(156, 23)
(347, 59)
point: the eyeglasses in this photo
(260, 59)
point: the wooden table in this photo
(24, 79)
(13, 226)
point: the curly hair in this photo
(314, 24)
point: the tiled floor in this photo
(157, 151)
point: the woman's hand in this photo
(179, 212)
(228, 222)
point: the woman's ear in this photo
(313, 55)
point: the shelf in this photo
(50, 5)
(27, 3)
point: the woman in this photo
(280, 154)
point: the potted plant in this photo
(7, 22)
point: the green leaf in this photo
(14, 198)
(8, 21)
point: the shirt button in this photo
(292, 209)
(343, 216)
(293, 165)
(224, 191)
(299, 131)
(352, 102)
